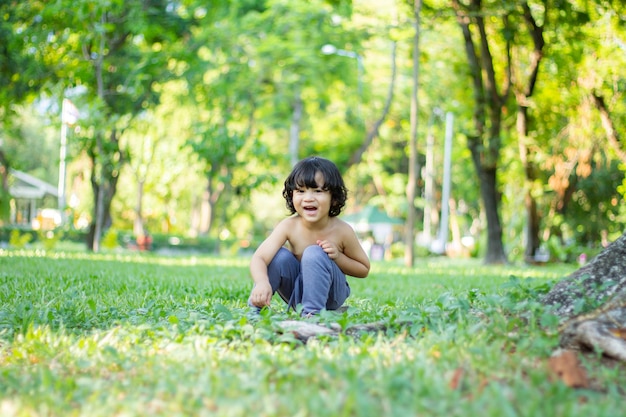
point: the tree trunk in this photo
(491, 202)
(210, 198)
(530, 204)
(532, 226)
(206, 211)
(103, 196)
(139, 228)
(105, 172)
(591, 303)
(104, 177)
(526, 155)
(411, 188)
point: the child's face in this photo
(312, 204)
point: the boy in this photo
(322, 248)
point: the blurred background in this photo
(463, 128)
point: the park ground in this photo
(137, 334)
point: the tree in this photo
(524, 89)
(162, 167)
(142, 156)
(604, 80)
(22, 76)
(300, 88)
(580, 88)
(571, 30)
(489, 99)
(117, 51)
(254, 73)
(224, 96)
(263, 78)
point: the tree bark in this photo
(591, 303)
(491, 203)
(104, 177)
(523, 96)
(103, 196)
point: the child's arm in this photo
(350, 256)
(262, 292)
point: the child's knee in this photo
(314, 257)
(313, 250)
(282, 256)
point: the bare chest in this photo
(301, 238)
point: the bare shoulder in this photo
(343, 225)
(277, 238)
(289, 222)
(344, 229)
(284, 226)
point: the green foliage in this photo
(19, 239)
(621, 218)
(564, 252)
(117, 52)
(50, 238)
(622, 187)
(22, 73)
(110, 239)
(596, 203)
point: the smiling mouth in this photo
(309, 209)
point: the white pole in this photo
(429, 182)
(62, 168)
(445, 193)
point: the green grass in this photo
(143, 335)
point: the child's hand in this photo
(261, 295)
(330, 248)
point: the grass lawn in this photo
(146, 335)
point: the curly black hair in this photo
(303, 175)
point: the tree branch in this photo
(463, 19)
(609, 127)
(536, 32)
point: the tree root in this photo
(604, 333)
